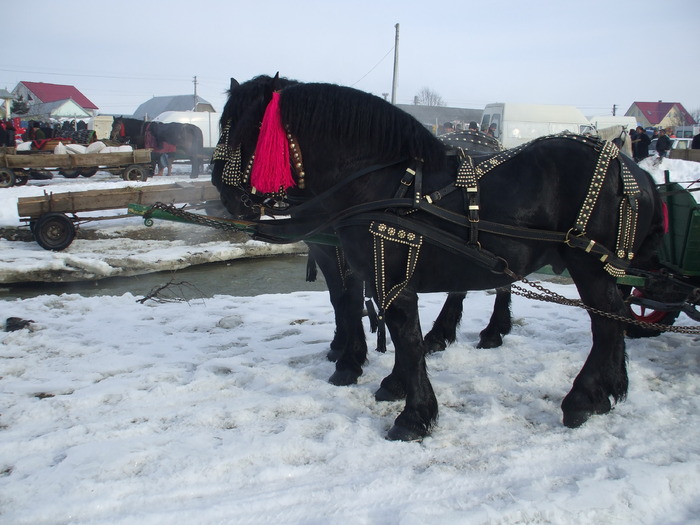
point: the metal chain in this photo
(196, 218)
(547, 295)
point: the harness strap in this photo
(432, 234)
(385, 290)
(608, 152)
(305, 208)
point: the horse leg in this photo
(349, 347)
(604, 374)
(500, 322)
(195, 166)
(421, 410)
(348, 367)
(444, 331)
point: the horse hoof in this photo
(576, 414)
(489, 342)
(334, 354)
(343, 378)
(576, 419)
(397, 433)
(432, 347)
(384, 394)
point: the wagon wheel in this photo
(135, 173)
(70, 174)
(54, 231)
(7, 178)
(648, 315)
(89, 172)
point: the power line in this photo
(375, 67)
(117, 77)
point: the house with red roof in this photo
(54, 101)
(660, 114)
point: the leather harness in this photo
(391, 219)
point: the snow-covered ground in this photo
(218, 410)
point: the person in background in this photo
(37, 133)
(473, 126)
(640, 144)
(695, 144)
(7, 135)
(447, 127)
(161, 154)
(663, 144)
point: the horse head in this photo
(117, 129)
(240, 124)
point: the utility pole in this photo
(614, 109)
(396, 66)
(194, 81)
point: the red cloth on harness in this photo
(165, 147)
(151, 142)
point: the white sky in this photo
(589, 54)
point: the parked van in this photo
(686, 132)
(515, 124)
(206, 121)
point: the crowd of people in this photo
(642, 140)
(15, 130)
(449, 127)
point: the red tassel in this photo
(271, 169)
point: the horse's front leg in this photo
(420, 411)
(353, 355)
(604, 375)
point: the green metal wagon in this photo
(675, 288)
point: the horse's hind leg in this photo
(421, 410)
(604, 375)
(444, 331)
(500, 322)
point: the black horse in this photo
(348, 347)
(413, 218)
(187, 138)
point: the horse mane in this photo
(253, 93)
(362, 122)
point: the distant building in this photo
(6, 98)
(57, 101)
(660, 114)
(434, 117)
(157, 105)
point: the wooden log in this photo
(93, 200)
(79, 160)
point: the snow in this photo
(218, 410)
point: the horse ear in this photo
(234, 83)
(276, 84)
